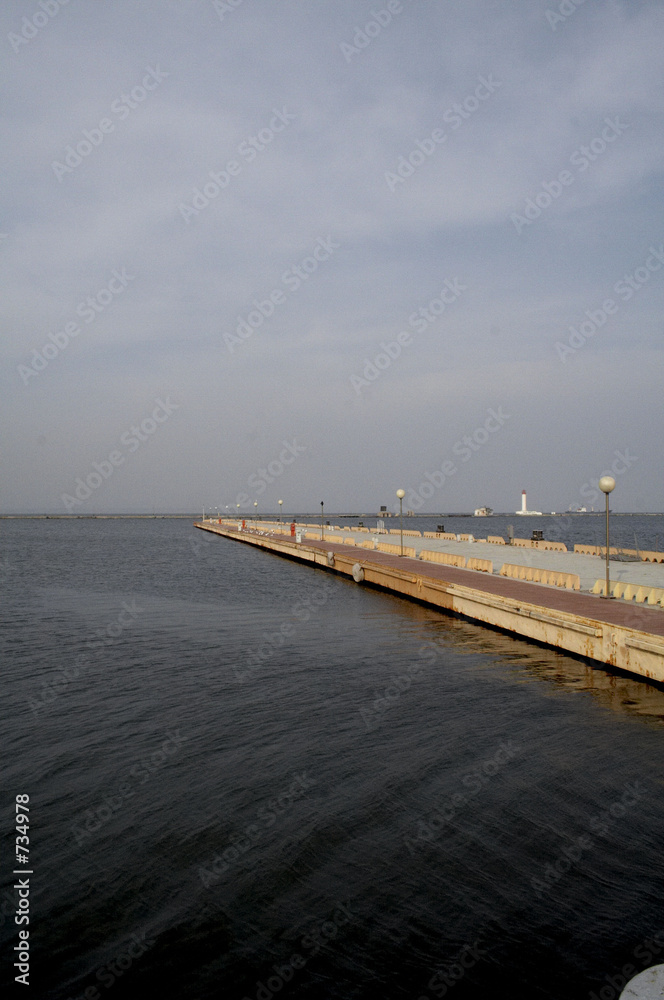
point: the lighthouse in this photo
(524, 507)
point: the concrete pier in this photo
(616, 633)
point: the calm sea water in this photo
(249, 778)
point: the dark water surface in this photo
(249, 778)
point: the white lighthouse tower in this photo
(524, 507)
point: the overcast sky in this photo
(321, 244)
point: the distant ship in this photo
(524, 510)
(483, 512)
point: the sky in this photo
(257, 251)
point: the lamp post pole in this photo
(607, 484)
(322, 508)
(256, 510)
(281, 503)
(401, 494)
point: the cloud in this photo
(221, 81)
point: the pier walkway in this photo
(617, 633)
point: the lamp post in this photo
(281, 503)
(322, 508)
(256, 510)
(607, 484)
(401, 494)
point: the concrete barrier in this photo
(483, 565)
(349, 541)
(571, 581)
(496, 539)
(446, 558)
(600, 550)
(639, 593)
(406, 531)
(522, 543)
(395, 550)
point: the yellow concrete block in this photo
(349, 541)
(446, 558)
(395, 550)
(496, 539)
(482, 565)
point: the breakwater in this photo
(614, 633)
